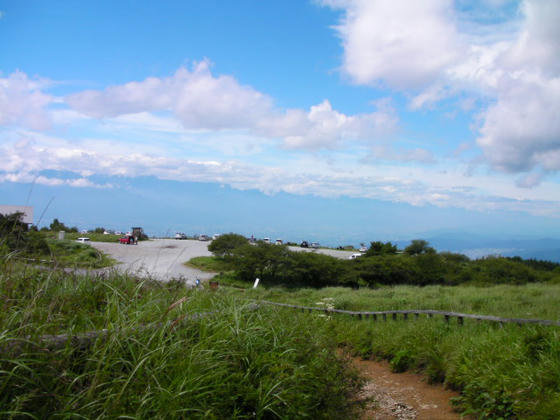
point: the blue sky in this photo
(290, 118)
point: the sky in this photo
(342, 120)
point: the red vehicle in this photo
(128, 240)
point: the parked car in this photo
(83, 240)
(216, 236)
(279, 242)
(127, 240)
(266, 240)
(180, 235)
(354, 256)
(315, 245)
(203, 237)
(304, 244)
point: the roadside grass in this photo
(94, 237)
(69, 253)
(235, 363)
(210, 264)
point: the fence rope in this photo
(416, 312)
(84, 340)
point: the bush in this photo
(224, 245)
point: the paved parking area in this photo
(163, 259)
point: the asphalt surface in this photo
(163, 259)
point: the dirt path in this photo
(402, 396)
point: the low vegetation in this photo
(210, 264)
(500, 371)
(419, 265)
(19, 242)
(236, 362)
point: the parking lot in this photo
(163, 259)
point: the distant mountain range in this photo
(477, 246)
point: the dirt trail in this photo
(402, 396)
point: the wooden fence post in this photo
(447, 319)
(394, 316)
(460, 320)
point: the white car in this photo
(266, 240)
(180, 235)
(354, 256)
(83, 240)
(203, 238)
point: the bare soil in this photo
(402, 396)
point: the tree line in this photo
(382, 264)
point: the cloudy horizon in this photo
(444, 104)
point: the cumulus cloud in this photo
(22, 102)
(196, 97)
(324, 127)
(432, 52)
(201, 100)
(404, 44)
(522, 129)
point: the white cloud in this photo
(404, 44)
(522, 129)
(203, 101)
(22, 161)
(433, 52)
(324, 127)
(197, 98)
(22, 102)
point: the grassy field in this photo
(210, 264)
(267, 363)
(235, 363)
(69, 253)
(501, 372)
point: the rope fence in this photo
(375, 315)
(86, 339)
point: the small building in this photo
(27, 211)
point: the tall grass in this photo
(535, 300)
(235, 363)
(502, 372)
(509, 372)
